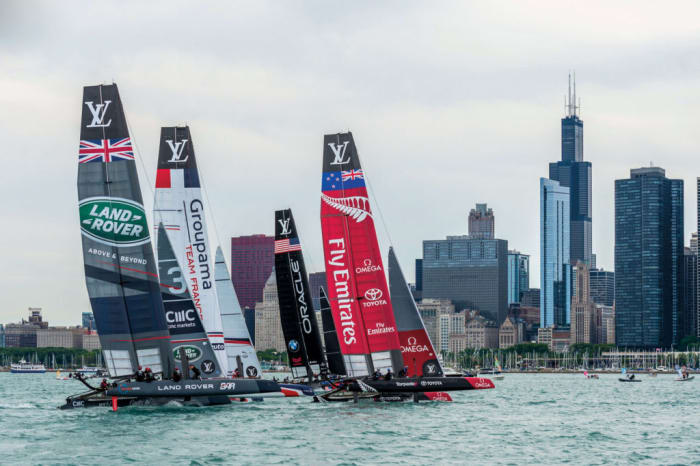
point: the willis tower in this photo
(574, 173)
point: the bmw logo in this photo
(293, 345)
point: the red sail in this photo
(357, 286)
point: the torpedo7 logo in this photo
(176, 149)
(98, 114)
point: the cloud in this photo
(450, 104)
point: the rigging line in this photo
(203, 186)
(376, 202)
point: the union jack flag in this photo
(353, 175)
(105, 150)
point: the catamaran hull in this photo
(405, 389)
(206, 392)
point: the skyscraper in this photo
(481, 223)
(268, 326)
(575, 174)
(697, 318)
(518, 275)
(472, 273)
(317, 280)
(583, 323)
(648, 259)
(603, 287)
(555, 271)
(690, 289)
(252, 260)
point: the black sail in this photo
(120, 270)
(299, 324)
(333, 354)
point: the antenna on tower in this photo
(574, 102)
(568, 102)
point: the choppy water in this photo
(543, 419)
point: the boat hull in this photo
(405, 389)
(29, 371)
(679, 379)
(208, 392)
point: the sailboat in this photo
(683, 374)
(359, 297)
(122, 281)
(299, 326)
(627, 377)
(180, 206)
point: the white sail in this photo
(239, 346)
(179, 206)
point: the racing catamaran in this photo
(299, 325)
(370, 339)
(132, 321)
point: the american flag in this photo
(105, 150)
(353, 175)
(287, 245)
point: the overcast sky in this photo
(450, 104)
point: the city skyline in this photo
(252, 109)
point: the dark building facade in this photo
(530, 297)
(472, 273)
(252, 260)
(648, 259)
(689, 323)
(419, 274)
(602, 287)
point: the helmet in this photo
(139, 367)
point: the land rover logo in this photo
(193, 353)
(373, 294)
(113, 221)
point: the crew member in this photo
(236, 373)
(388, 375)
(196, 373)
(149, 375)
(104, 385)
(177, 375)
(140, 377)
(403, 372)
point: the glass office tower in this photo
(555, 268)
(648, 259)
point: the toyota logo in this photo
(367, 262)
(373, 294)
(411, 341)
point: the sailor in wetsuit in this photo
(149, 375)
(140, 377)
(388, 375)
(104, 385)
(196, 373)
(177, 375)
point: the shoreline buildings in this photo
(472, 272)
(252, 260)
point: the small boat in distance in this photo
(628, 377)
(683, 375)
(23, 367)
(590, 376)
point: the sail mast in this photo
(179, 205)
(357, 286)
(299, 325)
(120, 270)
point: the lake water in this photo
(543, 419)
